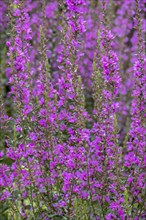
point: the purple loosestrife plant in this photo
(135, 156)
(71, 94)
(68, 70)
(105, 145)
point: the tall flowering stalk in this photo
(135, 157)
(18, 60)
(71, 94)
(105, 146)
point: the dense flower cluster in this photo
(72, 122)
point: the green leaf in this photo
(6, 160)
(126, 195)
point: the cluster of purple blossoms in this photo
(73, 138)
